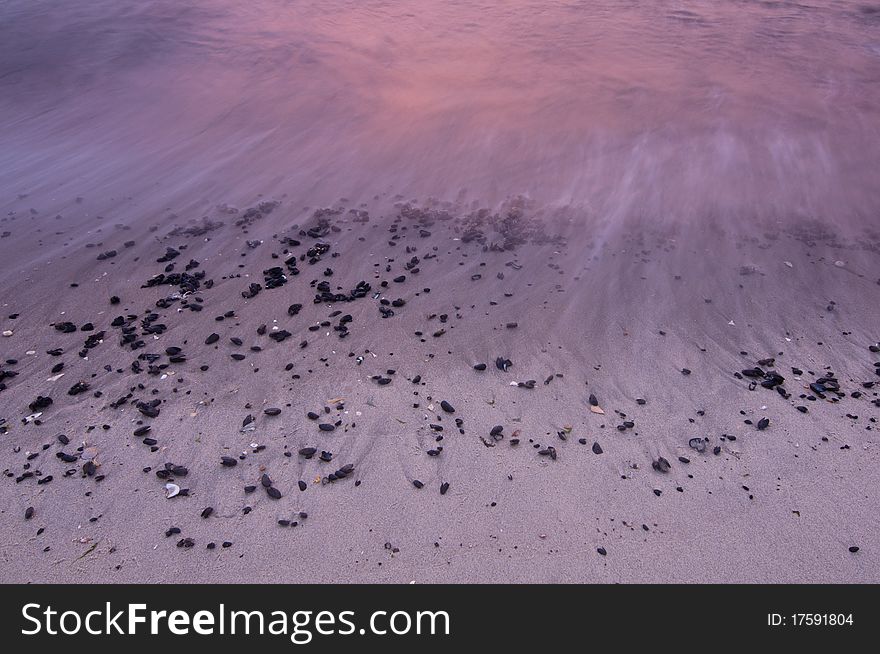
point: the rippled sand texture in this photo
(635, 201)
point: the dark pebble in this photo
(661, 465)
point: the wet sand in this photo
(780, 504)
(620, 286)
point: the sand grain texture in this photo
(645, 248)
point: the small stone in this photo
(661, 465)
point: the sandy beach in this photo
(341, 293)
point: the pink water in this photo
(668, 109)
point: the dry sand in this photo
(658, 257)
